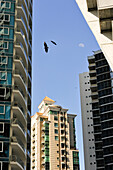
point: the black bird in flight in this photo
(54, 42)
(46, 47)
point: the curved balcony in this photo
(21, 38)
(18, 79)
(16, 163)
(18, 112)
(21, 25)
(20, 65)
(23, 3)
(19, 96)
(21, 52)
(18, 129)
(18, 147)
(21, 12)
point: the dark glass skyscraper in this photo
(15, 83)
(101, 84)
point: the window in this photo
(4, 31)
(5, 5)
(7, 17)
(0, 165)
(2, 109)
(1, 127)
(2, 92)
(55, 118)
(4, 45)
(3, 75)
(1, 146)
(56, 131)
(3, 60)
(55, 124)
(56, 138)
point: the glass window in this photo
(2, 108)
(2, 91)
(1, 146)
(7, 4)
(55, 118)
(56, 131)
(56, 138)
(7, 17)
(3, 60)
(0, 165)
(3, 75)
(5, 45)
(1, 127)
(6, 31)
(55, 124)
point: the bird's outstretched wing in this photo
(46, 47)
(54, 42)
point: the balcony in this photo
(18, 129)
(92, 5)
(20, 65)
(21, 52)
(23, 3)
(21, 26)
(19, 80)
(18, 112)
(21, 12)
(16, 163)
(21, 38)
(18, 147)
(19, 96)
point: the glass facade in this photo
(7, 13)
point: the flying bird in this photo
(46, 47)
(54, 42)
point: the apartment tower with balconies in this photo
(53, 144)
(15, 83)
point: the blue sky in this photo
(56, 73)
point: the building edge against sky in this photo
(98, 14)
(15, 83)
(53, 143)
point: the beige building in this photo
(99, 16)
(53, 144)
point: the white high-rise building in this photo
(87, 122)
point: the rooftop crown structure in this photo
(99, 16)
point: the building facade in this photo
(101, 78)
(53, 144)
(87, 122)
(15, 83)
(99, 16)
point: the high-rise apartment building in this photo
(53, 144)
(101, 78)
(99, 16)
(87, 122)
(15, 83)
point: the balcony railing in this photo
(15, 158)
(16, 71)
(16, 121)
(20, 59)
(16, 140)
(15, 103)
